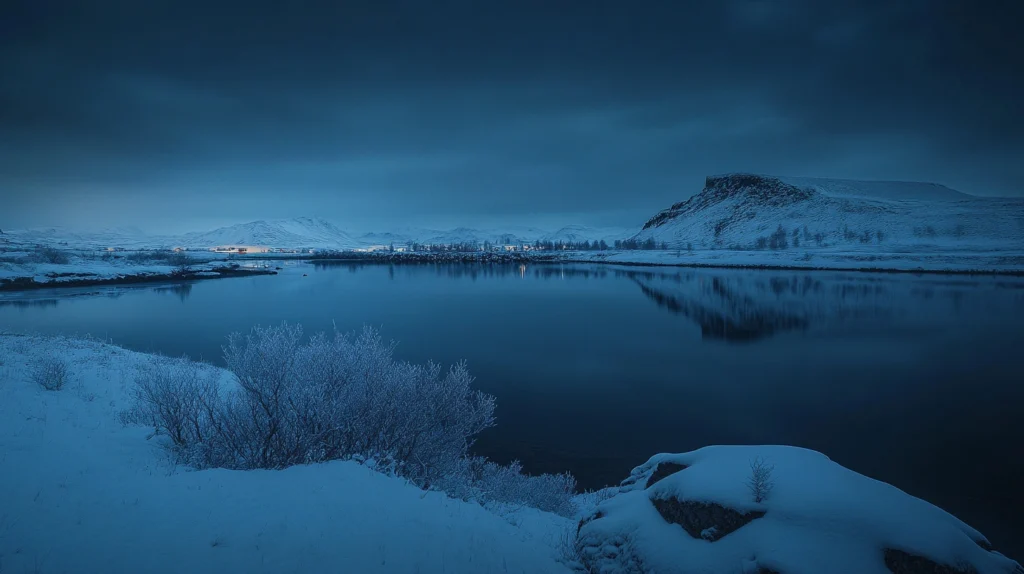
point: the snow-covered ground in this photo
(80, 492)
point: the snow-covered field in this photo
(80, 492)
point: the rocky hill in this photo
(749, 211)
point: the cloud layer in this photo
(176, 114)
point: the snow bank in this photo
(80, 492)
(695, 512)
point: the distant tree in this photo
(181, 262)
(618, 244)
(604, 245)
(650, 244)
(689, 247)
(880, 235)
(778, 239)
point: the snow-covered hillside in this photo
(766, 212)
(301, 232)
(126, 237)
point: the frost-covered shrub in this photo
(331, 397)
(182, 263)
(508, 484)
(760, 482)
(51, 255)
(50, 373)
(476, 478)
(183, 401)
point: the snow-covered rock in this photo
(697, 512)
(747, 211)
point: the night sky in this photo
(180, 115)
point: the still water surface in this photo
(917, 381)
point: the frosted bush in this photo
(50, 373)
(508, 484)
(331, 397)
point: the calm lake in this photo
(917, 381)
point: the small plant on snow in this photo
(760, 482)
(569, 549)
(50, 373)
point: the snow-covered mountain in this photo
(580, 233)
(300, 232)
(761, 211)
(127, 237)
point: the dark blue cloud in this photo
(449, 112)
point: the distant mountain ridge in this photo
(306, 233)
(753, 211)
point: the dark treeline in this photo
(471, 247)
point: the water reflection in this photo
(742, 307)
(29, 303)
(181, 290)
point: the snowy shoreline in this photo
(88, 274)
(971, 263)
(74, 279)
(83, 490)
